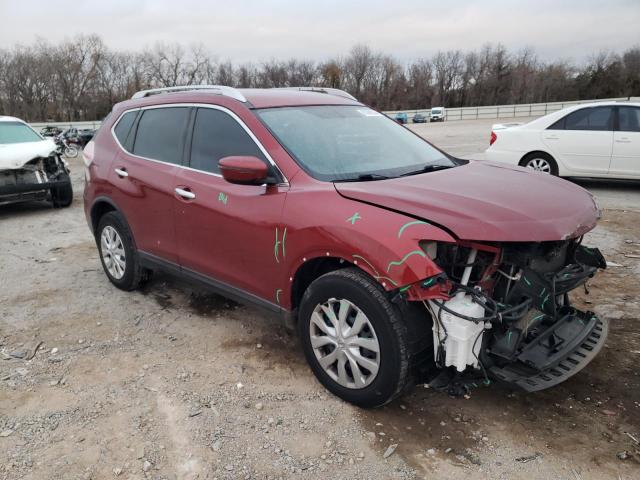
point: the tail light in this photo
(87, 153)
(493, 139)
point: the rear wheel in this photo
(354, 339)
(540, 162)
(71, 151)
(118, 254)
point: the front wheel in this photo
(354, 339)
(62, 195)
(71, 151)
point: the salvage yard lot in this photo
(174, 383)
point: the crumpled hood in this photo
(486, 202)
(15, 155)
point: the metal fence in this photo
(451, 114)
(508, 111)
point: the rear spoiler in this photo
(504, 126)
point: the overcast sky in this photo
(254, 30)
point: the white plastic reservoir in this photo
(460, 334)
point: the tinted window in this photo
(124, 126)
(160, 134)
(629, 119)
(217, 135)
(597, 118)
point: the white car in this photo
(588, 140)
(30, 166)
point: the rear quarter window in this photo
(123, 127)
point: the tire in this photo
(128, 274)
(363, 295)
(540, 162)
(71, 152)
(62, 196)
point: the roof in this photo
(10, 119)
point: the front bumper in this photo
(10, 190)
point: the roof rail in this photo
(219, 89)
(329, 91)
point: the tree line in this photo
(81, 79)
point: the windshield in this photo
(338, 142)
(436, 110)
(17, 132)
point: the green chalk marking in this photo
(278, 292)
(284, 238)
(404, 289)
(408, 224)
(275, 247)
(354, 218)
(544, 301)
(376, 275)
(537, 318)
(223, 198)
(405, 258)
(526, 281)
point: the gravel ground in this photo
(172, 382)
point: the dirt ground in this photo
(174, 383)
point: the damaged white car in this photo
(31, 167)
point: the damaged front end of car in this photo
(42, 178)
(503, 311)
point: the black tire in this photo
(62, 195)
(393, 376)
(544, 156)
(134, 274)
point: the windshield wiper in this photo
(365, 177)
(425, 169)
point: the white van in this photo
(437, 114)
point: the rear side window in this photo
(160, 134)
(596, 118)
(123, 127)
(629, 119)
(217, 135)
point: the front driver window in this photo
(217, 135)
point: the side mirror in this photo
(244, 170)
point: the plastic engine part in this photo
(457, 334)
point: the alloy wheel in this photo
(113, 253)
(539, 165)
(345, 343)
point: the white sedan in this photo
(588, 140)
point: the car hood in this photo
(15, 155)
(487, 202)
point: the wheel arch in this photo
(102, 206)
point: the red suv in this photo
(395, 261)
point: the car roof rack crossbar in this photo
(219, 89)
(329, 91)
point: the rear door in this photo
(582, 140)
(227, 232)
(625, 160)
(143, 174)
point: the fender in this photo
(382, 243)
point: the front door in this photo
(224, 231)
(625, 160)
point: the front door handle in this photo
(623, 140)
(551, 137)
(185, 193)
(122, 172)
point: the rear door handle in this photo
(122, 172)
(623, 140)
(185, 193)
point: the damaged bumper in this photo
(505, 310)
(34, 181)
